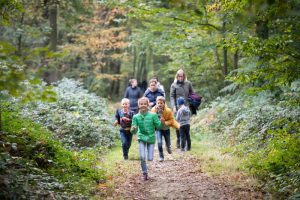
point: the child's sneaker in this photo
(161, 159)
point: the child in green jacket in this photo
(144, 124)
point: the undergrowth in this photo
(263, 131)
(34, 164)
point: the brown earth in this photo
(178, 177)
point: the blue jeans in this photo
(126, 138)
(144, 149)
(166, 135)
(185, 137)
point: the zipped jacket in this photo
(168, 115)
(180, 90)
(152, 95)
(144, 126)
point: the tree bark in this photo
(53, 25)
(19, 43)
(225, 52)
(235, 59)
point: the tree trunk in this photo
(19, 43)
(53, 25)
(218, 58)
(235, 59)
(0, 119)
(225, 52)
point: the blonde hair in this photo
(160, 98)
(180, 71)
(125, 100)
(143, 99)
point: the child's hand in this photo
(133, 129)
(115, 123)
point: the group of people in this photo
(148, 116)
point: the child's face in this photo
(153, 86)
(160, 104)
(143, 105)
(125, 105)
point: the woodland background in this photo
(62, 62)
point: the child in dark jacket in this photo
(123, 119)
(183, 117)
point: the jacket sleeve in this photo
(191, 89)
(117, 116)
(172, 96)
(157, 122)
(140, 92)
(178, 115)
(126, 93)
(169, 117)
(171, 122)
(134, 125)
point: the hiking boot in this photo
(145, 176)
(125, 157)
(169, 150)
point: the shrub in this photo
(264, 130)
(35, 165)
(79, 119)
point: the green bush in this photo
(79, 119)
(35, 165)
(263, 129)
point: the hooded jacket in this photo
(167, 114)
(183, 115)
(152, 95)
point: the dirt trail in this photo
(178, 177)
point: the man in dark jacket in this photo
(133, 93)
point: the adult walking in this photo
(153, 92)
(133, 93)
(181, 87)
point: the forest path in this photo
(179, 176)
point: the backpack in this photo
(194, 100)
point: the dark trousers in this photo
(126, 138)
(185, 137)
(177, 138)
(159, 135)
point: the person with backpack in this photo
(123, 118)
(181, 87)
